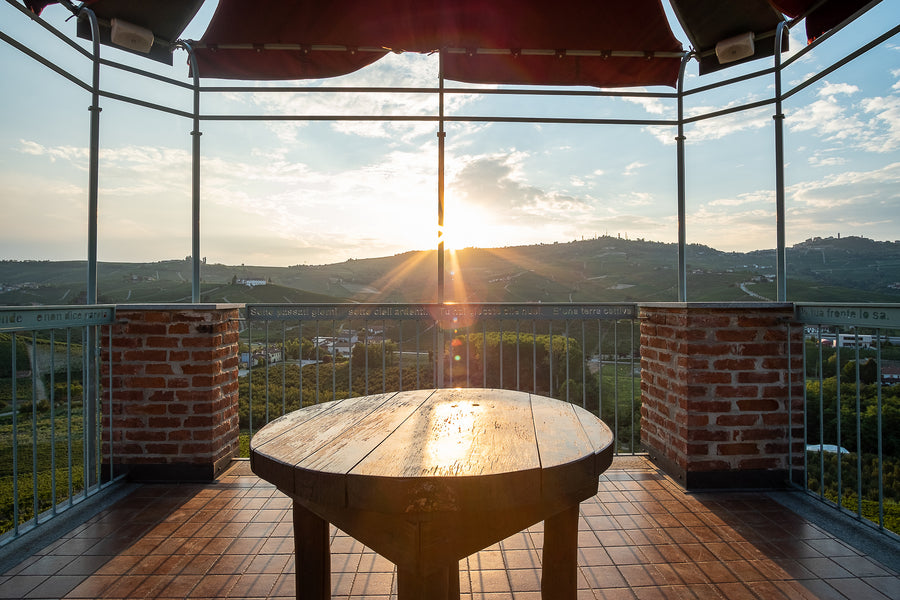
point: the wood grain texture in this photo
(427, 477)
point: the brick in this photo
(737, 420)
(697, 420)
(162, 396)
(709, 377)
(146, 329)
(149, 316)
(145, 435)
(178, 329)
(758, 405)
(759, 349)
(164, 422)
(201, 341)
(144, 382)
(708, 435)
(179, 435)
(735, 364)
(710, 406)
(759, 377)
(162, 448)
(756, 435)
(698, 449)
(708, 465)
(759, 463)
(709, 321)
(144, 356)
(736, 391)
(736, 335)
(179, 356)
(145, 409)
(161, 341)
(710, 349)
(736, 449)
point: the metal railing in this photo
(50, 451)
(295, 355)
(851, 362)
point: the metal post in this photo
(781, 258)
(91, 383)
(441, 136)
(440, 247)
(195, 179)
(93, 160)
(679, 144)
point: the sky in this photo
(287, 192)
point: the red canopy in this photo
(604, 43)
(578, 42)
(824, 16)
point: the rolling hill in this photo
(604, 269)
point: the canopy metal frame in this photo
(441, 119)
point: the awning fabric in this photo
(707, 22)
(603, 43)
(824, 16)
(167, 19)
(578, 42)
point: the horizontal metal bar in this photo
(728, 111)
(306, 48)
(44, 61)
(840, 63)
(30, 318)
(866, 315)
(542, 311)
(145, 104)
(435, 119)
(434, 90)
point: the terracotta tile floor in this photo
(641, 537)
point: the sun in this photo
(468, 228)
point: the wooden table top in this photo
(427, 451)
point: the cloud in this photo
(871, 125)
(886, 114)
(654, 106)
(819, 159)
(408, 70)
(865, 190)
(633, 167)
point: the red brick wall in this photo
(174, 386)
(716, 409)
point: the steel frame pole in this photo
(781, 255)
(195, 179)
(439, 355)
(91, 368)
(679, 144)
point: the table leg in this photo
(312, 555)
(559, 579)
(438, 585)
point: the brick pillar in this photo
(174, 386)
(721, 401)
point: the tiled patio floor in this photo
(641, 536)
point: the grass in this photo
(20, 482)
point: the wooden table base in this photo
(312, 552)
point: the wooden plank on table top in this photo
(596, 430)
(275, 429)
(295, 444)
(561, 438)
(340, 453)
(459, 432)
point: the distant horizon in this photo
(628, 239)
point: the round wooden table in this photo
(428, 477)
